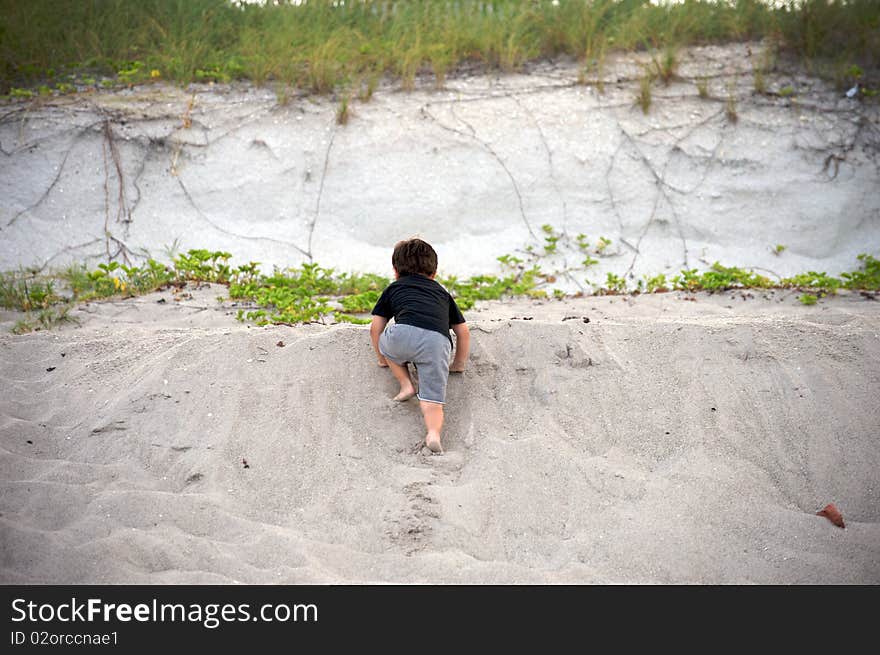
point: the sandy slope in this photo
(663, 441)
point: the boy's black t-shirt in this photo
(419, 301)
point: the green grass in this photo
(44, 319)
(665, 66)
(702, 87)
(26, 291)
(644, 97)
(343, 113)
(759, 82)
(321, 45)
(730, 105)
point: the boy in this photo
(423, 314)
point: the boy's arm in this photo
(376, 326)
(462, 347)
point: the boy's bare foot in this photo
(406, 392)
(456, 367)
(383, 363)
(432, 441)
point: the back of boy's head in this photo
(414, 256)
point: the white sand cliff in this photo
(476, 169)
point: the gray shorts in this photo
(428, 350)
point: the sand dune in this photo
(663, 441)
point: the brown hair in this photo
(414, 256)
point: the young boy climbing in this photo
(423, 313)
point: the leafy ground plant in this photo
(719, 278)
(866, 277)
(614, 284)
(656, 283)
(312, 293)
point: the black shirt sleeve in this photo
(455, 316)
(383, 305)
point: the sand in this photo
(672, 438)
(476, 168)
(666, 440)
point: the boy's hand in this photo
(383, 363)
(456, 367)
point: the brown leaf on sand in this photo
(280, 344)
(833, 514)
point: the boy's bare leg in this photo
(401, 374)
(433, 415)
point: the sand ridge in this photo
(663, 441)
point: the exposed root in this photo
(494, 154)
(237, 235)
(308, 251)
